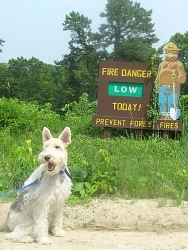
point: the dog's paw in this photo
(26, 239)
(59, 233)
(44, 241)
(12, 237)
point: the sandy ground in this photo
(116, 224)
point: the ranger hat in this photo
(170, 46)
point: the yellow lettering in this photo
(119, 106)
(123, 72)
(129, 107)
(129, 73)
(97, 121)
(139, 124)
(116, 71)
(134, 106)
(124, 106)
(139, 73)
(102, 121)
(144, 73)
(145, 125)
(110, 71)
(149, 73)
(161, 125)
(136, 123)
(168, 125)
(104, 70)
(114, 105)
(131, 123)
(106, 122)
(111, 121)
(176, 125)
(134, 73)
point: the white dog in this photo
(38, 209)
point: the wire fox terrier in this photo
(38, 209)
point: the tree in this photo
(128, 29)
(83, 61)
(1, 44)
(181, 40)
(30, 80)
(4, 81)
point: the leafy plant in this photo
(104, 176)
(17, 166)
(81, 108)
(153, 108)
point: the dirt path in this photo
(116, 224)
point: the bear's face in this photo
(171, 55)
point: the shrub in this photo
(19, 117)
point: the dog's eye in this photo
(57, 147)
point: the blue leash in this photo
(19, 189)
(32, 183)
(67, 173)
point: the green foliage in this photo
(100, 179)
(33, 80)
(151, 168)
(19, 117)
(128, 29)
(18, 163)
(104, 177)
(79, 114)
(119, 166)
(183, 105)
(82, 63)
(155, 60)
(153, 108)
(81, 108)
(1, 44)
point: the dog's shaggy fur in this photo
(38, 209)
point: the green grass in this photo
(151, 168)
(120, 166)
(142, 169)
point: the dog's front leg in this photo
(57, 222)
(40, 233)
(40, 228)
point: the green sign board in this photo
(125, 89)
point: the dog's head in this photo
(54, 154)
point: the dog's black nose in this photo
(47, 157)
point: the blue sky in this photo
(33, 28)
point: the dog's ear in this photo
(65, 136)
(46, 135)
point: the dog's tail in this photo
(3, 227)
